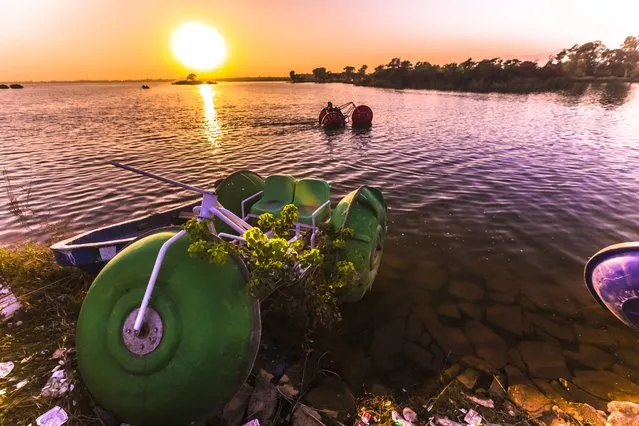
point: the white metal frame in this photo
(210, 208)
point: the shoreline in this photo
(340, 383)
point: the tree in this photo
(348, 71)
(631, 49)
(292, 75)
(320, 74)
(362, 70)
(191, 77)
(394, 63)
(379, 68)
(406, 65)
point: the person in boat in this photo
(331, 108)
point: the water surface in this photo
(506, 193)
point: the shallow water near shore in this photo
(495, 203)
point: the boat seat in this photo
(278, 192)
(310, 194)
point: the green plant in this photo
(287, 277)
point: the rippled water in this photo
(509, 193)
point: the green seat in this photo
(278, 192)
(310, 194)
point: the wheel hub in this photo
(149, 337)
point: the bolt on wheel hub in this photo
(149, 337)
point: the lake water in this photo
(495, 201)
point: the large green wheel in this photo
(363, 211)
(198, 342)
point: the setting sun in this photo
(198, 46)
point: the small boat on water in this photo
(91, 250)
(361, 116)
(144, 86)
(3, 86)
(16, 86)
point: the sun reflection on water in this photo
(212, 129)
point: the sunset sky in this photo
(130, 39)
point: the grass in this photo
(51, 297)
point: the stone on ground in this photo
(543, 360)
(488, 344)
(263, 402)
(623, 413)
(235, 410)
(332, 396)
(530, 399)
(591, 356)
(469, 378)
(419, 355)
(506, 317)
(607, 385)
(306, 416)
(466, 290)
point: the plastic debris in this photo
(22, 384)
(6, 368)
(473, 418)
(488, 403)
(57, 385)
(445, 421)
(399, 420)
(365, 418)
(409, 415)
(9, 304)
(54, 417)
(254, 422)
(59, 353)
(429, 406)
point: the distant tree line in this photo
(586, 62)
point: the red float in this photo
(362, 116)
(333, 120)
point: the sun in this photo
(198, 46)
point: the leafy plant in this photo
(287, 277)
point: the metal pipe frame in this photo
(244, 216)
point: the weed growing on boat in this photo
(40, 337)
(287, 277)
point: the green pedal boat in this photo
(167, 338)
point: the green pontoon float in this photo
(164, 338)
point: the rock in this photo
(306, 416)
(629, 357)
(430, 275)
(451, 372)
(543, 360)
(583, 413)
(449, 338)
(300, 374)
(625, 372)
(591, 356)
(387, 341)
(466, 290)
(471, 310)
(488, 345)
(419, 355)
(235, 410)
(552, 326)
(438, 357)
(514, 357)
(332, 395)
(607, 385)
(449, 310)
(497, 388)
(539, 296)
(479, 364)
(529, 398)
(574, 393)
(469, 378)
(506, 317)
(414, 328)
(623, 413)
(263, 402)
(501, 297)
(425, 340)
(377, 389)
(515, 376)
(595, 336)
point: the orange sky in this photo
(130, 39)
